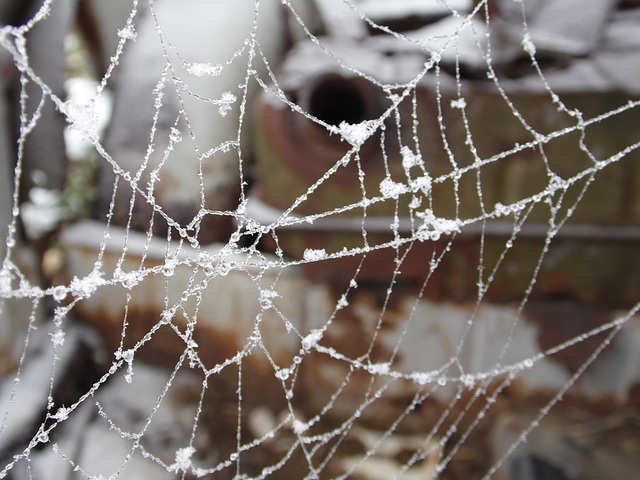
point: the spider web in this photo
(324, 242)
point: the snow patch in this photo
(314, 255)
(183, 459)
(43, 212)
(459, 103)
(225, 102)
(357, 134)
(434, 227)
(83, 116)
(128, 33)
(311, 340)
(410, 159)
(391, 189)
(200, 69)
(85, 287)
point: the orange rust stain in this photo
(561, 320)
(215, 346)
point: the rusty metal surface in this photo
(376, 359)
(518, 161)
(567, 269)
(412, 333)
(417, 336)
(519, 165)
(191, 291)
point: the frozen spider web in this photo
(322, 240)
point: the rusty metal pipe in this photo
(382, 224)
(338, 100)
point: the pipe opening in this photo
(337, 100)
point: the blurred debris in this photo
(50, 377)
(406, 15)
(43, 153)
(566, 446)
(262, 422)
(552, 27)
(375, 468)
(341, 20)
(42, 213)
(526, 467)
(99, 438)
(386, 456)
